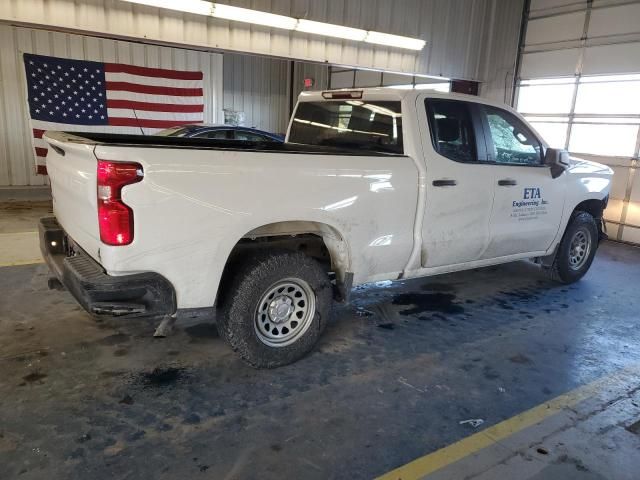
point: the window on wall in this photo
(596, 114)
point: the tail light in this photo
(115, 218)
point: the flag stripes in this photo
(77, 95)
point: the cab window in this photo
(512, 142)
(451, 128)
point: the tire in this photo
(577, 249)
(275, 308)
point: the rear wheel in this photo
(276, 308)
(577, 248)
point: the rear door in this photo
(528, 203)
(459, 182)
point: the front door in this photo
(459, 185)
(528, 203)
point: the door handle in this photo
(444, 183)
(507, 182)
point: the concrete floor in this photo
(393, 377)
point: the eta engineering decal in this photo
(530, 206)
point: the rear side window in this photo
(451, 128)
(353, 124)
(215, 134)
(251, 137)
(513, 141)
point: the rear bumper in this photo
(139, 295)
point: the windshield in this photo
(374, 126)
(173, 132)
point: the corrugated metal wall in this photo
(16, 154)
(466, 39)
(260, 87)
(257, 86)
(462, 35)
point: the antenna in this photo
(138, 121)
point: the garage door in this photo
(579, 85)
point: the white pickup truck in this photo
(370, 185)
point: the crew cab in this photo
(370, 185)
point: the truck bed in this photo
(123, 140)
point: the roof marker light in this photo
(342, 94)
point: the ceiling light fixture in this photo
(256, 17)
(331, 30)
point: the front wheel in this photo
(276, 309)
(577, 248)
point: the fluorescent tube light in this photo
(199, 7)
(253, 16)
(395, 41)
(331, 30)
(246, 15)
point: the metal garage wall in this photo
(261, 88)
(257, 86)
(16, 155)
(571, 38)
(466, 38)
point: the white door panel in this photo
(526, 216)
(459, 192)
(528, 202)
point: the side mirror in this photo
(558, 160)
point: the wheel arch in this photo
(317, 239)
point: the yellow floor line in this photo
(432, 462)
(20, 248)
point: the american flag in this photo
(79, 95)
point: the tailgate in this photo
(71, 166)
